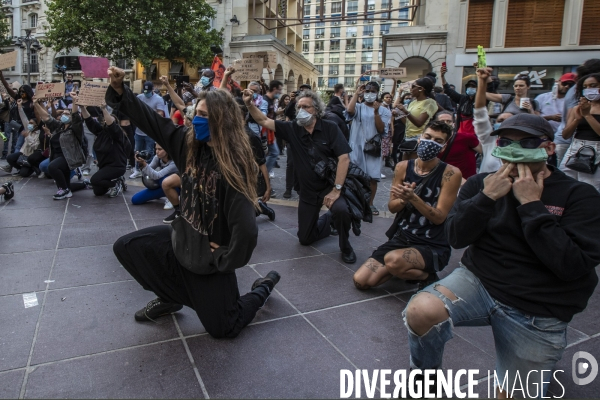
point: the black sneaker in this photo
(172, 217)
(273, 194)
(287, 194)
(266, 210)
(156, 309)
(78, 173)
(10, 191)
(270, 280)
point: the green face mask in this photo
(514, 153)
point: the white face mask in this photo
(370, 97)
(303, 117)
(592, 94)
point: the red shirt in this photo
(178, 117)
(461, 154)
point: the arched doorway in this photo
(300, 81)
(291, 82)
(279, 73)
(416, 67)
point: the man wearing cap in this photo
(552, 104)
(143, 141)
(532, 235)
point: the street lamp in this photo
(28, 42)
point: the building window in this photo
(336, 7)
(366, 56)
(321, 81)
(385, 28)
(319, 33)
(589, 31)
(367, 44)
(350, 44)
(350, 57)
(305, 47)
(331, 82)
(385, 4)
(479, 23)
(319, 68)
(368, 30)
(352, 6)
(335, 32)
(334, 57)
(333, 70)
(318, 10)
(403, 14)
(305, 32)
(349, 69)
(364, 68)
(534, 23)
(319, 58)
(306, 10)
(320, 45)
(33, 20)
(334, 45)
(9, 23)
(379, 56)
(385, 16)
(349, 81)
(351, 31)
(320, 24)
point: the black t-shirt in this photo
(271, 109)
(335, 101)
(308, 149)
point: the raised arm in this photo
(177, 101)
(352, 104)
(228, 72)
(9, 90)
(258, 116)
(41, 110)
(495, 97)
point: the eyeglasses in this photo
(527, 143)
(299, 107)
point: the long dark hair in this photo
(229, 143)
(579, 90)
(282, 100)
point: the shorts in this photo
(436, 258)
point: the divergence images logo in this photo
(580, 367)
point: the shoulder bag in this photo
(582, 162)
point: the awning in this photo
(73, 53)
(176, 69)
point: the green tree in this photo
(5, 34)
(134, 29)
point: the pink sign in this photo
(94, 67)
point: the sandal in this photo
(374, 210)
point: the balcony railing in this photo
(35, 68)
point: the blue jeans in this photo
(44, 168)
(272, 156)
(14, 140)
(146, 195)
(523, 342)
(144, 143)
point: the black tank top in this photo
(585, 132)
(417, 228)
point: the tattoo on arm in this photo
(412, 257)
(448, 175)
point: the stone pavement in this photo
(81, 340)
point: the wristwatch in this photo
(338, 187)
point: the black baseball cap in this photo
(304, 85)
(148, 87)
(528, 123)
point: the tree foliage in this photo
(140, 29)
(5, 34)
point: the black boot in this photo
(266, 210)
(264, 286)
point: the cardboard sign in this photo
(49, 90)
(269, 57)
(8, 60)
(137, 86)
(248, 69)
(392, 73)
(92, 93)
(94, 67)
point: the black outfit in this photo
(326, 141)
(14, 116)
(178, 265)
(34, 159)
(415, 230)
(111, 148)
(398, 138)
(335, 101)
(539, 257)
(444, 101)
(58, 167)
(585, 132)
(291, 178)
(130, 131)
(465, 105)
(335, 113)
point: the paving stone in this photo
(150, 210)
(281, 359)
(32, 201)
(316, 282)
(30, 238)
(572, 390)
(16, 330)
(276, 306)
(157, 371)
(32, 217)
(93, 319)
(25, 272)
(94, 234)
(278, 245)
(147, 223)
(87, 266)
(10, 384)
(588, 321)
(91, 213)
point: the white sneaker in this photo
(168, 205)
(382, 176)
(272, 174)
(41, 175)
(136, 174)
(86, 172)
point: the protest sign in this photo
(49, 90)
(392, 73)
(248, 69)
(92, 93)
(8, 60)
(94, 67)
(269, 57)
(137, 86)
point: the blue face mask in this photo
(471, 91)
(65, 119)
(148, 94)
(407, 102)
(277, 96)
(201, 128)
(255, 96)
(497, 125)
(205, 81)
(30, 128)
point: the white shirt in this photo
(550, 106)
(483, 128)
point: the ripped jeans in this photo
(523, 342)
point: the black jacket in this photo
(335, 113)
(111, 145)
(465, 104)
(221, 215)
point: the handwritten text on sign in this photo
(92, 93)
(8, 60)
(248, 69)
(269, 57)
(392, 73)
(49, 91)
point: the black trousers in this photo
(105, 179)
(148, 256)
(291, 180)
(131, 136)
(61, 173)
(34, 160)
(312, 228)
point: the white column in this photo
(499, 24)
(572, 22)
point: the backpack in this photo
(72, 149)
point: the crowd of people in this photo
(512, 179)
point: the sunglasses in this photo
(527, 143)
(416, 86)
